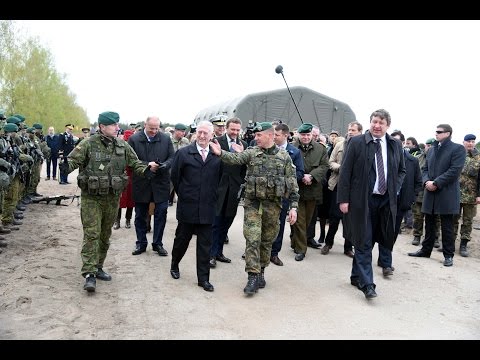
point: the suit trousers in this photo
(448, 237)
(159, 222)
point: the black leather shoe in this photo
(102, 275)
(369, 291)
(349, 253)
(388, 271)
(276, 260)
(223, 259)
(212, 263)
(419, 253)
(175, 274)
(160, 250)
(299, 257)
(138, 250)
(313, 244)
(448, 261)
(355, 282)
(206, 285)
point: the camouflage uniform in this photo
(270, 176)
(469, 191)
(102, 178)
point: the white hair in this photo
(207, 124)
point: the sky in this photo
(424, 72)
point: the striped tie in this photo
(382, 185)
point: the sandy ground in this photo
(42, 296)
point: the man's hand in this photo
(153, 166)
(292, 216)
(344, 207)
(215, 147)
(237, 147)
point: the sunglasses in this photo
(440, 132)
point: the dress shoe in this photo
(102, 275)
(128, 225)
(463, 248)
(175, 273)
(436, 244)
(416, 240)
(206, 285)
(54, 178)
(448, 261)
(90, 283)
(388, 271)
(160, 250)
(369, 291)
(223, 259)
(243, 256)
(227, 240)
(48, 178)
(138, 250)
(349, 253)
(299, 257)
(212, 263)
(63, 183)
(419, 253)
(355, 282)
(313, 244)
(325, 250)
(276, 260)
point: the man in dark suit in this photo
(67, 144)
(151, 145)
(372, 174)
(195, 175)
(282, 133)
(441, 175)
(231, 178)
(53, 142)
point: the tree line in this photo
(31, 85)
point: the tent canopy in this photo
(325, 112)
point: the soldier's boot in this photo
(16, 222)
(252, 284)
(18, 216)
(3, 243)
(90, 283)
(102, 275)
(10, 226)
(116, 225)
(416, 240)
(463, 248)
(128, 225)
(261, 279)
(21, 207)
(4, 230)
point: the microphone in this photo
(279, 70)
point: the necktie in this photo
(382, 185)
(203, 155)
(231, 143)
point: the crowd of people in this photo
(375, 182)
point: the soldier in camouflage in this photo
(469, 193)
(270, 176)
(102, 160)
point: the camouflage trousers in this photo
(34, 178)
(418, 221)
(97, 214)
(467, 213)
(260, 227)
(10, 200)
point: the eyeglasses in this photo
(440, 132)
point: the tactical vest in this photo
(266, 177)
(105, 172)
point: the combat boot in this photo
(416, 240)
(252, 284)
(3, 243)
(4, 230)
(463, 248)
(261, 279)
(16, 222)
(102, 275)
(116, 225)
(90, 283)
(21, 207)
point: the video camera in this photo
(248, 136)
(193, 128)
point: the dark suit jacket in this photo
(66, 143)
(297, 160)
(412, 184)
(231, 177)
(444, 166)
(154, 188)
(355, 186)
(53, 142)
(196, 184)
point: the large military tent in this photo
(318, 109)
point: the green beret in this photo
(430, 141)
(37, 126)
(108, 118)
(261, 126)
(180, 126)
(305, 128)
(10, 127)
(21, 117)
(13, 120)
(31, 130)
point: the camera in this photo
(248, 136)
(193, 128)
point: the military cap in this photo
(13, 120)
(219, 120)
(138, 127)
(108, 118)
(334, 132)
(180, 126)
(261, 126)
(469, 137)
(20, 116)
(31, 130)
(85, 129)
(305, 128)
(37, 126)
(430, 141)
(10, 127)
(133, 125)
(69, 126)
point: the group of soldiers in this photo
(22, 152)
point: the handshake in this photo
(161, 165)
